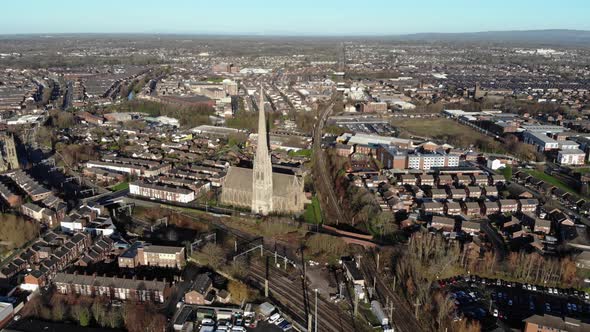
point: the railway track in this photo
(403, 317)
(299, 301)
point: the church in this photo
(260, 189)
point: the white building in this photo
(495, 164)
(571, 157)
(164, 193)
(541, 141)
(426, 161)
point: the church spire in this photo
(262, 138)
(262, 191)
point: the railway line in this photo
(298, 301)
(402, 316)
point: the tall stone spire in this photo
(262, 182)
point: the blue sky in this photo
(301, 17)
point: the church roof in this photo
(239, 178)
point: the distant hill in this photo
(544, 37)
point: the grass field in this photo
(550, 179)
(313, 213)
(583, 170)
(120, 186)
(445, 130)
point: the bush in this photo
(318, 244)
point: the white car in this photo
(495, 312)
(207, 322)
(279, 321)
(274, 318)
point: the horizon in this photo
(255, 35)
(306, 18)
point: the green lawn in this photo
(507, 172)
(446, 130)
(549, 179)
(583, 170)
(301, 153)
(120, 186)
(313, 213)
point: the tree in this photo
(238, 268)
(61, 119)
(58, 311)
(211, 254)
(16, 230)
(81, 314)
(99, 312)
(238, 290)
(113, 319)
(325, 244)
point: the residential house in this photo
(453, 208)
(470, 227)
(443, 224)
(433, 208)
(113, 288)
(473, 191)
(199, 289)
(458, 194)
(471, 208)
(508, 205)
(490, 207)
(490, 191)
(527, 205)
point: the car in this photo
(495, 312)
(207, 322)
(547, 307)
(587, 296)
(529, 287)
(534, 288)
(574, 307)
(272, 319)
(279, 321)
(509, 302)
(16, 318)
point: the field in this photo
(447, 131)
(550, 179)
(120, 186)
